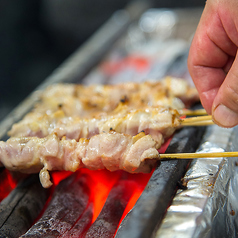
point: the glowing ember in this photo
(140, 181)
(100, 186)
(101, 183)
(7, 184)
(57, 176)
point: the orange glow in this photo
(57, 176)
(137, 62)
(100, 186)
(140, 180)
(101, 183)
(165, 146)
(7, 184)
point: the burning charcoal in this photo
(21, 207)
(106, 223)
(69, 201)
(82, 224)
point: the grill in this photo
(168, 201)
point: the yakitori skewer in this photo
(198, 155)
(111, 151)
(82, 100)
(152, 120)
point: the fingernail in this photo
(225, 117)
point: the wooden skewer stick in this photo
(198, 112)
(198, 155)
(197, 121)
(201, 123)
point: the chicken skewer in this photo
(82, 100)
(123, 119)
(112, 151)
(158, 122)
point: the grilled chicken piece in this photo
(84, 101)
(159, 122)
(112, 151)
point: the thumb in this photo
(225, 105)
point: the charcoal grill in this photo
(27, 210)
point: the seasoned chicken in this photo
(84, 101)
(157, 121)
(111, 150)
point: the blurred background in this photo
(36, 36)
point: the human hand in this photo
(213, 62)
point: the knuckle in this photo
(231, 97)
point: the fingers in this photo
(206, 60)
(208, 82)
(211, 55)
(225, 105)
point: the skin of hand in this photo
(213, 61)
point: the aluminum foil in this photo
(208, 207)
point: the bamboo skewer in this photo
(197, 121)
(198, 155)
(201, 123)
(198, 112)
